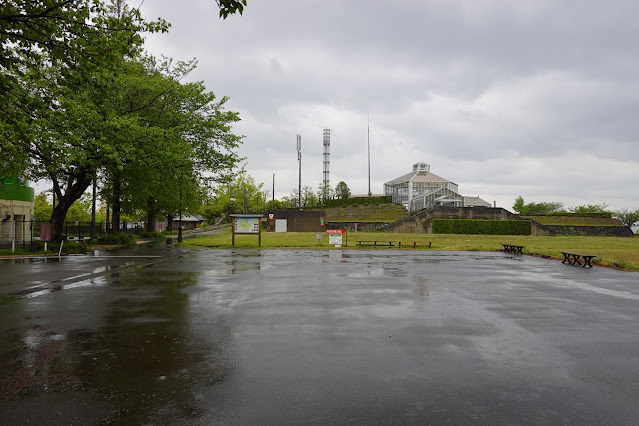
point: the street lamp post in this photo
(180, 226)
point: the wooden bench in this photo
(430, 244)
(510, 248)
(375, 243)
(576, 259)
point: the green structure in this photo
(16, 208)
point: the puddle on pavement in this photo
(145, 360)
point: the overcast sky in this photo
(534, 98)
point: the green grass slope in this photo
(379, 213)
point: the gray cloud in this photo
(504, 98)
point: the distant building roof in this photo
(417, 176)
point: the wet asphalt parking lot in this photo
(317, 337)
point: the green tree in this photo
(324, 192)
(228, 197)
(627, 217)
(536, 208)
(42, 208)
(519, 205)
(309, 199)
(342, 191)
(179, 138)
(589, 208)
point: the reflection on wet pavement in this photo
(336, 336)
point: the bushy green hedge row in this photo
(117, 239)
(485, 227)
(371, 201)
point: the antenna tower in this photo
(327, 161)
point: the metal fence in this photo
(23, 233)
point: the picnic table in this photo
(576, 258)
(514, 249)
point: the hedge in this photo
(371, 201)
(485, 227)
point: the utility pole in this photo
(273, 205)
(369, 154)
(299, 160)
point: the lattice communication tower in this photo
(327, 160)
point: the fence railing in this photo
(25, 232)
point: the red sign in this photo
(270, 216)
(335, 231)
(45, 232)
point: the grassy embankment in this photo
(574, 220)
(621, 252)
(379, 213)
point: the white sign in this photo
(335, 239)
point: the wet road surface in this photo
(284, 336)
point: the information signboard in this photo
(335, 236)
(247, 224)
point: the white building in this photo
(422, 189)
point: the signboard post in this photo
(247, 224)
(335, 237)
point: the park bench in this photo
(375, 243)
(430, 244)
(576, 259)
(510, 248)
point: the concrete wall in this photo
(423, 222)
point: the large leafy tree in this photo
(178, 141)
(57, 59)
(63, 113)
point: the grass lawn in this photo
(620, 252)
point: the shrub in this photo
(117, 239)
(151, 235)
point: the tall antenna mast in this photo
(327, 161)
(369, 154)
(299, 160)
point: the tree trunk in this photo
(73, 192)
(169, 222)
(115, 217)
(150, 216)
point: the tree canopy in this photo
(79, 101)
(536, 208)
(342, 190)
(627, 217)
